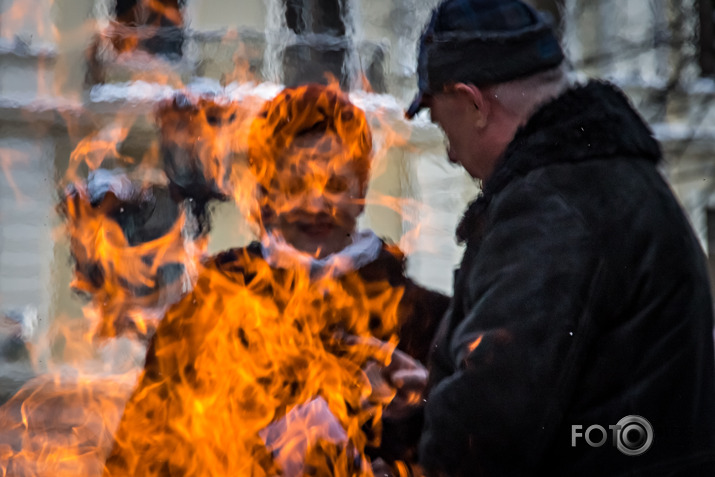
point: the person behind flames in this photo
(267, 366)
(582, 297)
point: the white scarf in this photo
(365, 248)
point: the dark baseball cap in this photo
(482, 42)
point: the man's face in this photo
(317, 198)
(446, 112)
(456, 115)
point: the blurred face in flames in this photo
(309, 149)
(317, 199)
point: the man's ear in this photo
(479, 102)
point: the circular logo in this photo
(634, 435)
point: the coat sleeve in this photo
(423, 310)
(512, 359)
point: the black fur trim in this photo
(595, 121)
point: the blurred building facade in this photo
(67, 71)
(55, 69)
(662, 53)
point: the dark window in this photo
(154, 26)
(321, 46)
(707, 37)
(316, 16)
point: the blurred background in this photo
(68, 72)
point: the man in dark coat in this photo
(579, 338)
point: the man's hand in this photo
(381, 469)
(405, 376)
(409, 378)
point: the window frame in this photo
(706, 43)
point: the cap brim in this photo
(416, 105)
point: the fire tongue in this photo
(305, 427)
(250, 375)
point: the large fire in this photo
(258, 370)
(250, 378)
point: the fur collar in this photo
(388, 264)
(587, 122)
(364, 248)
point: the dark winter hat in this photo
(482, 42)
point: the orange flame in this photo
(309, 142)
(260, 370)
(200, 138)
(94, 149)
(8, 157)
(120, 277)
(474, 344)
(248, 377)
